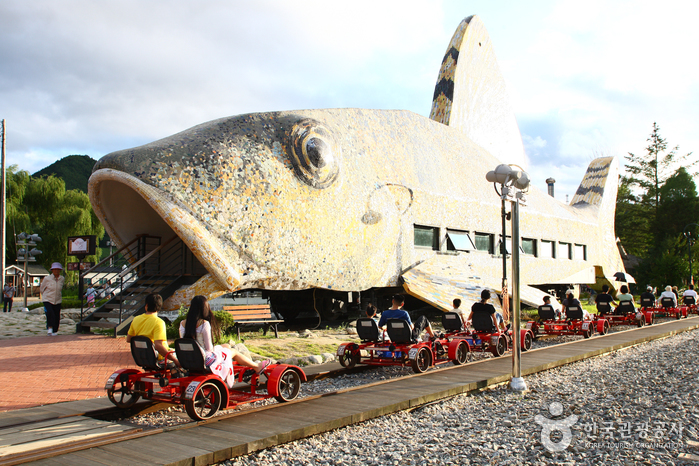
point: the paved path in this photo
(40, 370)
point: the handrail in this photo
(82, 275)
(146, 257)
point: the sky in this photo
(585, 79)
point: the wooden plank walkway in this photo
(281, 423)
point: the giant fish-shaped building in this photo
(349, 200)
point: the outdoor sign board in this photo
(81, 246)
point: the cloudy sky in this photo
(585, 78)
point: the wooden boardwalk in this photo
(215, 440)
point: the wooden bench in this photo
(253, 314)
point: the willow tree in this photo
(43, 206)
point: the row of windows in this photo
(458, 240)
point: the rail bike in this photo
(483, 337)
(202, 392)
(400, 349)
(691, 305)
(573, 324)
(626, 314)
(668, 308)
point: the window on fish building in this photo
(529, 246)
(426, 237)
(508, 246)
(484, 242)
(564, 251)
(548, 249)
(580, 252)
(458, 240)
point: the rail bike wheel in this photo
(422, 361)
(650, 320)
(288, 386)
(587, 333)
(205, 402)
(605, 327)
(349, 358)
(463, 354)
(501, 346)
(122, 394)
(642, 321)
(527, 342)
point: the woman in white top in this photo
(201, 325)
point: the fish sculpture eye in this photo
(314, 153)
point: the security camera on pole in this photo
(513, 186)
(24, 242)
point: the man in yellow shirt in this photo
(151, 326)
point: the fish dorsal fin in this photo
(471, 94)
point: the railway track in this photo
(35, 440)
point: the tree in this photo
(640, 220)
(649, 171)
(678, 206)
(632, 221)
(43, 206)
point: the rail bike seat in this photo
(625, 307)
(667, 303)
(546, 312)
(368, 329)
(574, 313)
(689, 300)
(144, 355)
(604, 308)
(399, 331)
(647, 302)
(191, 355)
(451, 321)
(482, 322)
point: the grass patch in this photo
(293, 348)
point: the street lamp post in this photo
(513, 185)
(23, 242)
(690, 243)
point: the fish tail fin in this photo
(599, 187)
(598, 190)
(471, 94)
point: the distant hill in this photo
(75, 170)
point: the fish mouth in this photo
(128, 207)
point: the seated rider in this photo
(547, 302)
(605, 297)
(624, 295)
(571, 300)
(668, 294)
(483, 307)
(395, 312)
(690, 293)
(371, 311)
(151, 326)
(457, 309)
(201, 325)
(648, 296)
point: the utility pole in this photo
(3, 234)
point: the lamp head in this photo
(522, 182)
(501, 174)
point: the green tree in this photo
(43, 206)
(640, 219)
(632, 221)
(678, 206)
(666, 266)
(650, 170)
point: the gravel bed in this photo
(634, 406)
